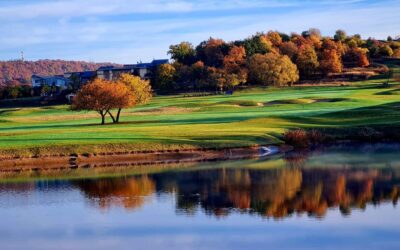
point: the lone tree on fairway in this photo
(139, 92)
(102, 96)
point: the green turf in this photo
(250, 117)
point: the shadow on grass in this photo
(388, 113)
(202, 120)
(226, 141)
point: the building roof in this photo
(106, 67)
(154, 63)
(49, 77)
(159, 62)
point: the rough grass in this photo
(178, 122)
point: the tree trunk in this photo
(103, 117)
(118, 114)
(112, 117)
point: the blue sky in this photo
(126, 31)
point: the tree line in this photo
(271, 58)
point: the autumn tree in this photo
(396, 53)
(356, 57)
(330, 62)
(290, 49)
(200, 75)
(139, 92)
(330, 57)
(212, 52)
(275, 38)
(235, 59)
(272, 69)
(235, 66)
(307, 61)
(165, 77)
(385, 50)
(102, 96)
(298, 40)
(312, 32)
(21, 71)
(183, 53)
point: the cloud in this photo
(92, 31)
(75, 8)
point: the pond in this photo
(335, 198)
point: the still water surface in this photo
(339, 198)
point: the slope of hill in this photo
(20, 72)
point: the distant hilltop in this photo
(18, 72)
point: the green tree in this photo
(45, 90)
(183, 53)
(272, 69)
(14, 92)
(340, 35)
(257, 44)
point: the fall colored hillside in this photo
(19, 72)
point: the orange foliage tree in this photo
(235, 65)
(102, 96)
(139, 92)
(212, 52)
(330, 61)
(357, 57)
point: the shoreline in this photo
(137, 158)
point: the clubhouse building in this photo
(144, 70)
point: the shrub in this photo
(296, 138)
(301, 138)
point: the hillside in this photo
(20, 72)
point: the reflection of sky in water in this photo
(67, 215)
(155, 225)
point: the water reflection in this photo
(273, 193)
(129, 193)
(296, 184)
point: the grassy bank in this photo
(250, 117)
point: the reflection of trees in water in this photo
(127, 192)
(273, 193)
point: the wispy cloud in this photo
(126, 31)
(74, 8)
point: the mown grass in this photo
(250, 117)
